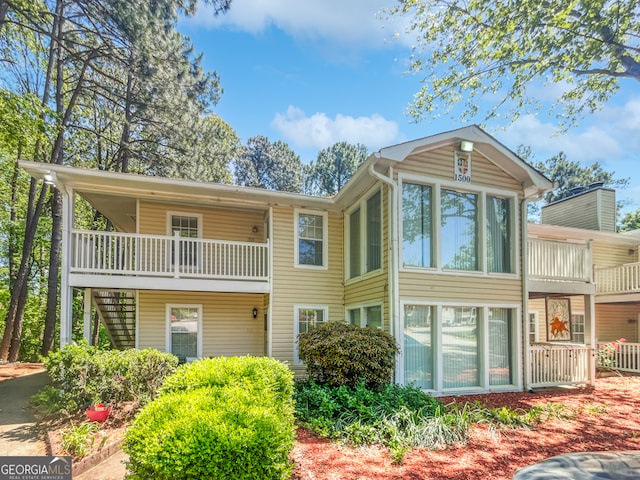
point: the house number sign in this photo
(462, 167)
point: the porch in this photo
(129, 260)
(624, 357)
(555, 365)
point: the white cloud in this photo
(319, 131)
(353, 21)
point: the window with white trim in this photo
(442, 228)
(366, 316)
(364, 231)
(186, 226)
(577, 327)
(184, 331)
(307, 317)
(449, 348)
(533, 327)
(311, 239)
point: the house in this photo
(428, 241)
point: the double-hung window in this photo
(184, 331)
(311, 239)
(187, 228)
(364, 227)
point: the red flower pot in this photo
(98, 412)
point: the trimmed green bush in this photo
(84, 374)
(338, 354)
(252, 372)
(217, 418)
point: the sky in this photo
(315, 72)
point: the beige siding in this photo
(228, 326)
(302, 286)
(609, 255)
(617, 321)
(217, 223)
(439, 164)
(459, 288)
(593, 210)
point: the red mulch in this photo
(490, 454)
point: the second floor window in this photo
(364, 227)
(186, 227)
(311, 234)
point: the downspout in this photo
(394, 326)
(524, 213)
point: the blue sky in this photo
(313, 73)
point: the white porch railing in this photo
(626, 357)
(155, 255)
(553, 260)
(553, 365)
(619, 279)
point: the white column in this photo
(87, 315)
(66, 291)
(590, 332)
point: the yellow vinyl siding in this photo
(217, 223)
(438, 164)
(459, 288)
(302, 286)
(228, 326)
(617, 321)
(610, 254)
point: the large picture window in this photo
(455, 348)
(453, 230)
(311, 239)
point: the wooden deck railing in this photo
(563, 261)
(624, 357)
(553, 365)
(155, 255)
(619, 279)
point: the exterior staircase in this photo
(117, 311)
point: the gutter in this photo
(394, 314)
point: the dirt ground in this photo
(13, 370)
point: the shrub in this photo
(251, 372)
(84, 374)
(339, 354)
(217, 418)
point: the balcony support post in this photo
(87, 315)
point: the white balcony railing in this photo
(559, 261)
(625, 357)
(164, 256)
(553, 365)
(619, 279)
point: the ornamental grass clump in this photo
(217, 418)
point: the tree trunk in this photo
(95, 331)
(52, 283)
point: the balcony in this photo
(110, 254)
(620, 279)
(555, 261)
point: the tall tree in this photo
(473, 48)
(82, 50)
(334, 167)
(630, 221)
(273, 166)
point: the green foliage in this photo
(273, 166)
(477, 48)
(339, 354)
(85, 374)
(606, 355)
(217, 418)
(399, 417)
(333, 168)
(630, 221)
(77, 440)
